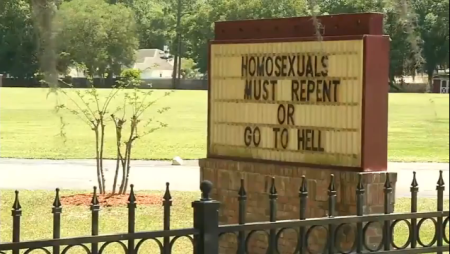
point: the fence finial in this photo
(167, 196)
(242, 193)
(206, 188)
(303, 187)
(16, 206)
(131, 197)
(360, 186)
(273, 190)
(94, 201)
(57, 201)
(387, 183)
(303, 195)
(332, 187)
(414, 183)
(440, 183)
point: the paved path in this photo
(152, 175)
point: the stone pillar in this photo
(226, 175)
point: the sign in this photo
(287, 101)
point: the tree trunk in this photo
(97, 157)
(110, 78)
(116, 173)
(430, 80)
(118, 124)
(177, 38)
(124, 166)
(128, 168)
(102, 146)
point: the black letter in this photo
(260, 66)
(325, 66)
(269, 66)
(290, 114)
(247, 136)
(313, 148)
(301, 139)
(301, 69)
(311, 88)
(303, 90)
(284, 66)
(291, 72)
(319, 91)
(336, 83)
(248, 90)
(278, 65)
(284, 138)
(316, 69)
(282, 111)
(327, 91)
(252, 66)
(244, 66)
(319, 140)
(273, 82)
(308, 140)
(256, 136)
(266, 91)
(295, 86)
(257, 89)
(275, 134)
(309, 67)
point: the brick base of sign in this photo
(226, 176)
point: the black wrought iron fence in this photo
(206, 232)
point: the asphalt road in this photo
(152, 175)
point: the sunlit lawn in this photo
(37, 219)
(29, 128)
(419, 127)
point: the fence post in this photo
(440, 230)
(360, 191)
(206, 220)
(387, 240)
(16, 214)
(56, 210)
(95, 209)
(131, 206)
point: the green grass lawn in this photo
(418, 128)
(37, 218)
(30, 128)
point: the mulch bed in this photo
(109, 200)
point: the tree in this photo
(136, 103)
(18, 39)
(433, 19)
(96, 111)
(188, 68)
(97, 34)
(151, 24)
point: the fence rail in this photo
(206, 232)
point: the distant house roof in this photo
(152, 59)
(441, 75)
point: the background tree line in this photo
(102, 36)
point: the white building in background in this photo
(153, 63)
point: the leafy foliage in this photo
(102, 35)
(97, 34)
(18, 45)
